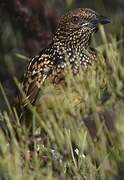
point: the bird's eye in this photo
(75, 20)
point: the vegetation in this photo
(77, 130)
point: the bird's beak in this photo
(103, 19)
(99, 20)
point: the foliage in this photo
(82, 126)
(77, 129)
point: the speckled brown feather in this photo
(70, 47)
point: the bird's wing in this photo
(38, 69)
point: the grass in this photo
(81, 126)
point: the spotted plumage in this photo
(70, 47)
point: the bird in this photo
(70, 47)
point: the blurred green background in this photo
(26, 27)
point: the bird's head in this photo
(78, 25)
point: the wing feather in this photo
(38, 70)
